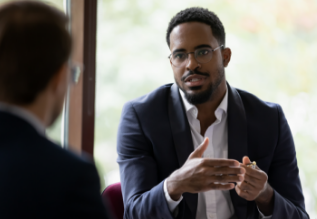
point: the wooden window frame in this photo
(80, 101)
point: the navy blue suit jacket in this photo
(154, 139)
(38, 179)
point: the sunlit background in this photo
(273, 43)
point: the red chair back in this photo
(112, 195)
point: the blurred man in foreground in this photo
(180, 146)
(38, 179)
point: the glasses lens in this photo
(75, 73)
(179, 58)
(203, 55)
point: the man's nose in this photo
(192, 64)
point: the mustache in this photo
(195, 72)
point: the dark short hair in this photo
(34, 44)
(199, 15)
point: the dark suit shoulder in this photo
(70, 157)
(50, 151)
(38, 176)
(150, 108)
(252, 101)
(154, 97)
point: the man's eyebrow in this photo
(197, 47)
(203, 46)
(179, 50)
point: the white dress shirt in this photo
(213, 204)
(25, 115)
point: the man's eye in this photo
(202, 52)
(179, 56)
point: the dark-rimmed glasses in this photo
(202, 55)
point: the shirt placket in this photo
(210, 196)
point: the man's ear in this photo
(226, 56)
(171, 62)
(60, 79)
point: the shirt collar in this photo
(25, 115)
(223, 106)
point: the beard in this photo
(207, 94)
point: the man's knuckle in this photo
(206, 181)
(200, 171)
(219, 178)
(217, 186)
(198, 188)
(213, 186)
(202, 163)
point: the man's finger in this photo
(225, 179)
(254, 173)
(199, 151)
(224, 170)
(246, 160)
(242, 193)
(221, 162)
(246, 186)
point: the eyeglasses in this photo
(75, 71)
(202, 55)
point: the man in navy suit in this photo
(180, 146)
(38, 178)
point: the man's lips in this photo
(195, 80)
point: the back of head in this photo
(34, 44)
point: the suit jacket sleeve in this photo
(84, 193)
(284, 176)
(143, 193)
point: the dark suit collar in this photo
(182, 137)
(237, 142)
(180, 126)
(24, 115)
(10, 123)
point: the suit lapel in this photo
(237, 142)
(182, 137)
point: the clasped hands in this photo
(202, 174)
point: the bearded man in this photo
(180, 146)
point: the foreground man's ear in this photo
(226, 56)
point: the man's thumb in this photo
(246, 160)
(199, 151)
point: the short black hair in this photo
(199, 15)
(34, 44)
